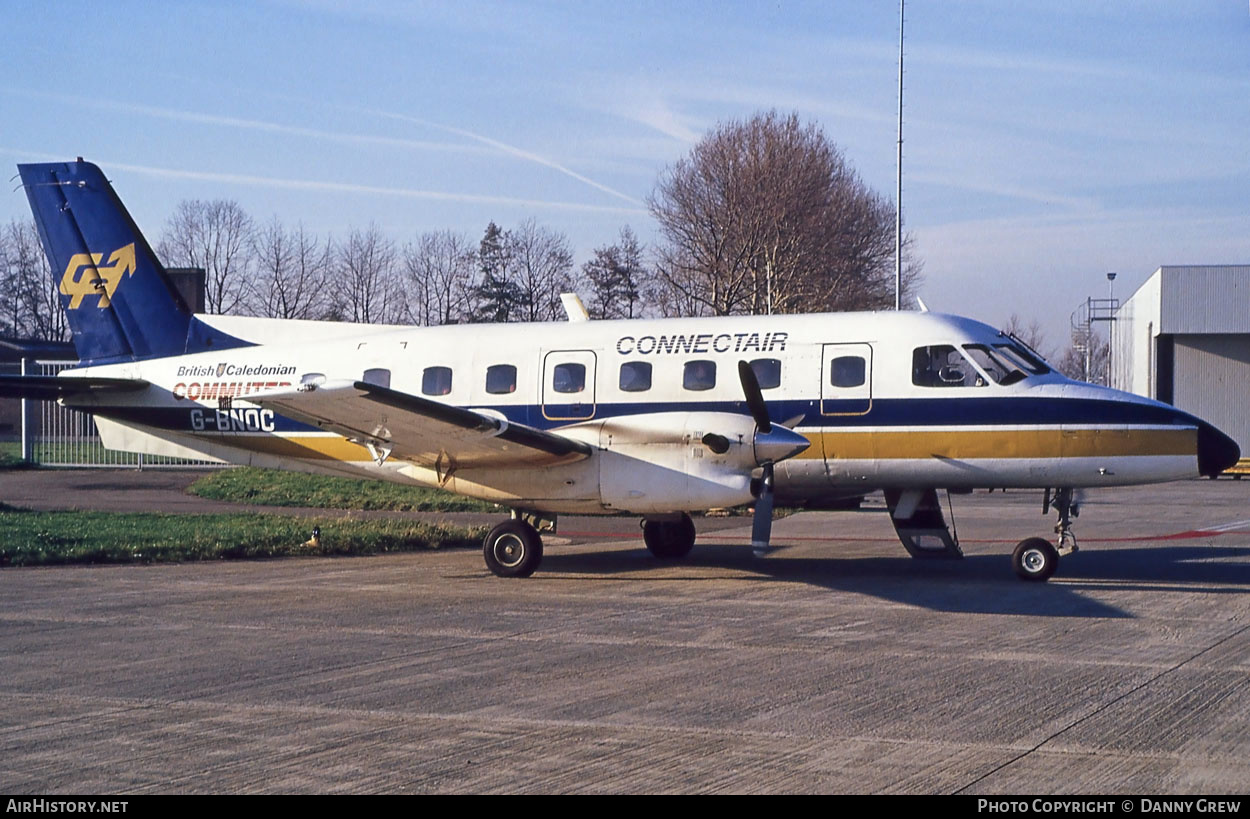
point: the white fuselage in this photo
(901, 400)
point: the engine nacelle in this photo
(661, 463)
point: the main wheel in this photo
(669, 539)
(513, 549)
(1035, 559)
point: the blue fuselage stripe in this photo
(910, 413)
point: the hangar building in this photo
(1184, 338)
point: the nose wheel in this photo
(1035, 558)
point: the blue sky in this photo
(1046, 142)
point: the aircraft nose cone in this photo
(778, 444)
(1216, 451)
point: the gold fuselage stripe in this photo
(1001, 443)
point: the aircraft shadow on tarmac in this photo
(977, 584)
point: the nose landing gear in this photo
(1035, 558)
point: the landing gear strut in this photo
(1068, 508)
(1035, 558)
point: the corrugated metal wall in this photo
(1212, 380)
(1205, 299)
(1199, 317)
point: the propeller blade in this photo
(762, 524)
(755, 398)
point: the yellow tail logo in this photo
(85, 277)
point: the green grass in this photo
(269, 487)
(29, 538)
(11, 455)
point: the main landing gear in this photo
(513, 549)
(1035, 558)
(669, 539)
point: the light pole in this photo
(1111, 325)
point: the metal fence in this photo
(52, 435)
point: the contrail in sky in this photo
(337, 136)
(510, 149)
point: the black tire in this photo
(513, 549)
(669, 539)
(1035, 559)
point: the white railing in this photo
(53, 435)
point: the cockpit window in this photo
(998, 369)
(1022, 357)
(941, 365)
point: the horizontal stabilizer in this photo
(52, 387)
(397, 424)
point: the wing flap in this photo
(417, 429)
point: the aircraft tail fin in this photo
(120, 303)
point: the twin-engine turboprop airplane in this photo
(657, 418)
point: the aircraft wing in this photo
(52, 387)
(417, 429)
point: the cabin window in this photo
(699, 375)
(569, 377)
(436, 381)
(379, 376)
(500, 379)
(635, 376)
(848, 371)
(767, 372)
(941, 365)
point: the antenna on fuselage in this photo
(573, 307)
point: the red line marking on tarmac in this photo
(1191, 534)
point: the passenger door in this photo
(846, 380)
(569, 385)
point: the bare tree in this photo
(215, 236)
(766, 215)
(292, 273)
(366, 290)
(10, 304)
(32, 304)
(541, 263)
(1088, 358)
(1031, 334)
(440, 271)
(616, 278)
